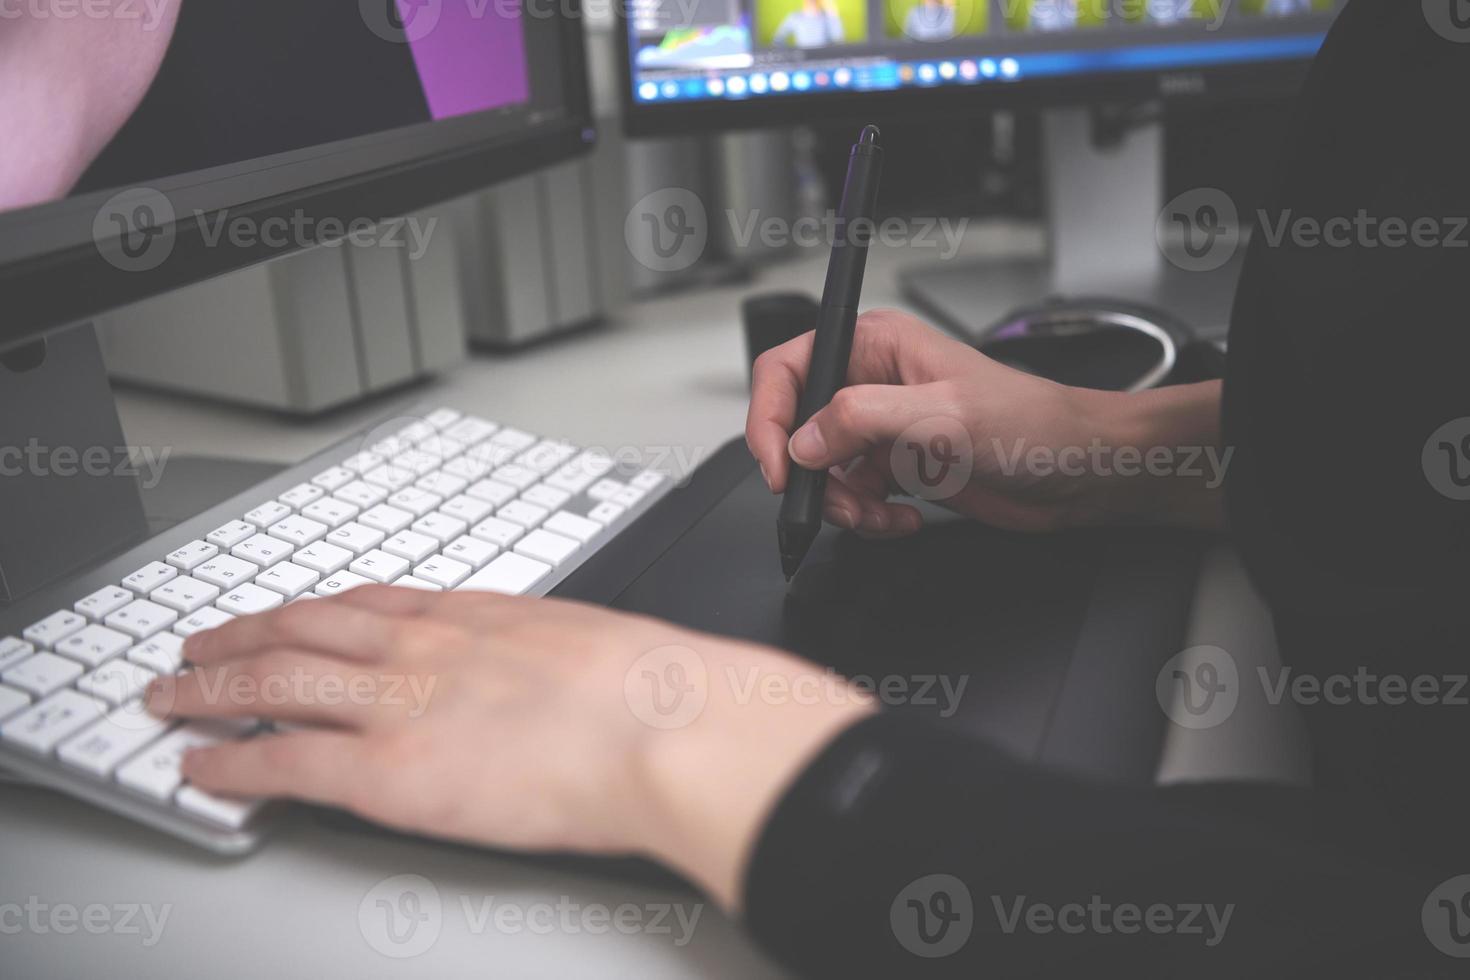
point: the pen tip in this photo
(870, 135)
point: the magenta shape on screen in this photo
(474, 59)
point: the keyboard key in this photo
(268, 513)
(545, 546)
(411, 545)
(42, 674)
(409, 582)
(500, 533)
(572, 526)
(496, 494)
(205, 619)
(141, 618)
(442, 418)
(185, 594)
(546, 456)
(392, 445)
(298, 531)
(522, 513)
(99, 748)
(45, 724)
(392, 478)
(442, 484)
(510, 573)
(417, 462)
(362, 462)
(629, 496)
(288, 578)
(519, 477)
(301, 494)
(94, 645)
(467, 467)
(441, 527)
(470, 430)
(360, 494)
(606, 512)
(323, 558)
(13, 651)
(549, 497)
(192, 554)
(581, 472)
(389, 520)
(379, 566)
(331, 479)
(416, 501)
(648, 480)
(230, 813)
(330, 511)
(12, 701)
(226, 571)
(417, 432)
(117, 681)
(443, 572)
(248, 599)
(228, 535)
(340, 582)
(356, 538)
(104, 601)
(155, 772)
(489, 452)
(441, 447)
(472, 551)
(605, 489)
(513, 439)
(164, 653)
(468, 509)
(153, 574)
(263, 549)
(54, 628)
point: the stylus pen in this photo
(801, 508)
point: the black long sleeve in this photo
(1343, 362)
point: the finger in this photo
(775, 388)
(279, 685)
(873, 516)
(860, 419)
(350, 630)
(318, 766)
(389, 600)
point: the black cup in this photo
(771, 319)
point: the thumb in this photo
(858, 419)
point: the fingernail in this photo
(841, 517)
(193, 761)
(808, 446)
(159, 696)
(875, 521)
(767, 477)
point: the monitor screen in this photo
(181, 111)
(710, 52)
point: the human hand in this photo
(510, 722)
(920, 403)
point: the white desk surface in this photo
(668, 373)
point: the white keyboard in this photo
(448, 501)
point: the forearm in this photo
(1156, 457)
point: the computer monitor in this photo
(148, 146)
(722, 64)
(137, 133)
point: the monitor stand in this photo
(68, 492)
(1104, 187)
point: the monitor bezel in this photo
(1203, 85)
(40, 292)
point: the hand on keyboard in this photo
(515, 722)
